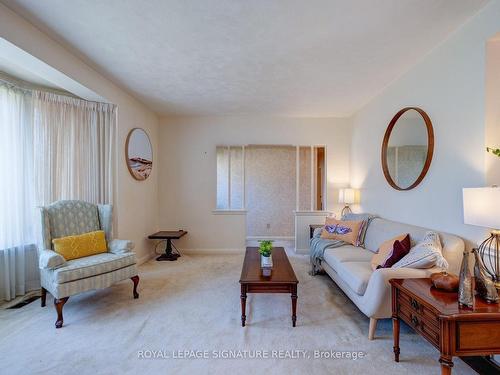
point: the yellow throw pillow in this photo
(385, 250)
(82, 245)
(346, 231)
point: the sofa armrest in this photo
(120, 246)
(377, 297)
(49, 259)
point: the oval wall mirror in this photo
(139, 154)
(407, 148)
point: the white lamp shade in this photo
(347, 196)
(482, 207)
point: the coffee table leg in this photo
(243, 304)
(294, 305)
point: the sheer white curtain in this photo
(52, 147)
(74, 145)
(17, 204)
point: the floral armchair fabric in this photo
(63, 278)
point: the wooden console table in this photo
(436, 316)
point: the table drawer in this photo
(419, 309)
(269, 288)
(420, 324)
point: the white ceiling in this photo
(282, 57)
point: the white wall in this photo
(188, 174)
(136, 203)
(449, 84)
(493, 110)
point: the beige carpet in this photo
(193, 304)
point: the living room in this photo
(196, 132)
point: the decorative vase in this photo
(485, 287)
(465, 292)
(266, 262)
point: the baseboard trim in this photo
(272, 238)
(232, 251)
(302, 251)
(145, 258)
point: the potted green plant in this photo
(265, 251)
(494, 151)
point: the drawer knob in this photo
(415, 321)
(415, 304)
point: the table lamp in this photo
(482, 208)
(347, 196)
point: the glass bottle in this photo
(465, 291)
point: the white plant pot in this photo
(266, 262)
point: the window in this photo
(230, 178)
(17, 203)
(53, 147)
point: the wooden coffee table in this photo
(282, 279)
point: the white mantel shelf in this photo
(312, 213)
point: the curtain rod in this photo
(25, 85)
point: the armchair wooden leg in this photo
(135, 279)
(59, 303)
(372, 328)
(44, 296)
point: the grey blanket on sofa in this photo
(318, 245)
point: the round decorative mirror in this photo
(139, 154)
(407, 148)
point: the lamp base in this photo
(489, 252)
(345, 210)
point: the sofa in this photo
(350, 267)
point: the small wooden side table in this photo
(312, 227)
(168, 235)
(436, 316)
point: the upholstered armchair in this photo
(63, 278)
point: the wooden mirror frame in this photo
(430, 148)
(126, 152)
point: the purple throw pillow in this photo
(400, 249)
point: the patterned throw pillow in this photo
(346, 231)
(385, 250)
(400, 249)
(83, 245)
(426, 254)
(365, 220)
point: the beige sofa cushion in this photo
(347, 253)
(356, 275)
(93, 265)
